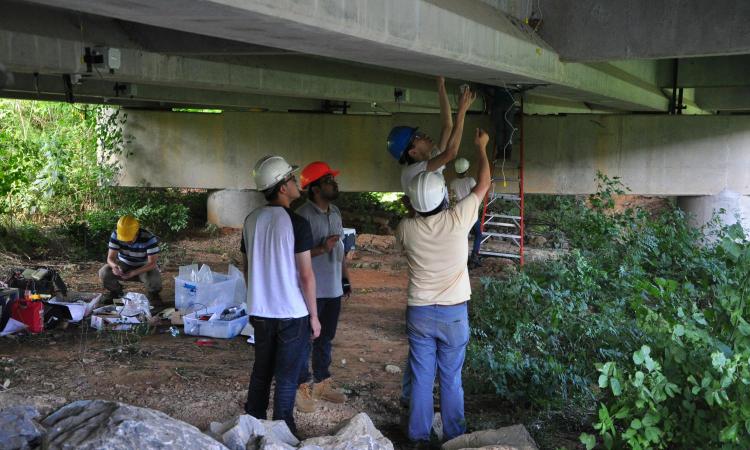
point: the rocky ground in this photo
(204, 384)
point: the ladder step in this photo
(500, 224)
(504, 255)
(502, 235)
(503, 216)
(511, 197)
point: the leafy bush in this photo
(58, 166)
(689, 384)
(562, 335)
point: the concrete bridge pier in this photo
(700, 209)
(229, 207)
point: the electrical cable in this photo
(512, 133)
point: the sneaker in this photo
(304, 399)
(325, 391)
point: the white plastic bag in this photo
(135, 304)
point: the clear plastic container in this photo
(223, 329)
(223, 291)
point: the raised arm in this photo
(481, 139)
(451, 150)
(446, 118)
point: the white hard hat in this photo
(426, 191)
(461, 165)
(270, 170)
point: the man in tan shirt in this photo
(437, 321)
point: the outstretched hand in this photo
(481, 139)
(467, 98)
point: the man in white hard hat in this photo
(459, 189)
(417, 152)
(281, 290)
(437, 317)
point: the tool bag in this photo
(41, 280)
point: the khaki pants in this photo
(111, 282)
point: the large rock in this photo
(358, 433)
(508, 438)
(46, 404)
(247, 432)
(18, 429)
(99, 424)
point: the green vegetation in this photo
(58, 167)
(639, 334)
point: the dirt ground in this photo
(203, 384)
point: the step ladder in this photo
(502, 212)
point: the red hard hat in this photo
(315, 171)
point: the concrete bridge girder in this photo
(218, 151)
(654, 155)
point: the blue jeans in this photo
(437, 334)
(477, 230)
(328, 315)
(281, 347)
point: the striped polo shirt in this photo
(135, 254)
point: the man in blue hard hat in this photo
(417, 152)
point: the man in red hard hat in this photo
(331, 280)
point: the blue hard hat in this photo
(399, 139)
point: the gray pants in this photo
(111, 282)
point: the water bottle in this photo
(174, 331)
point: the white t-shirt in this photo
(271, 237)
(436, 249)
(412, 170)
(461, 187)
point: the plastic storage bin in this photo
(224, 329)
(225, 290)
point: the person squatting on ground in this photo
(331, 273)
(133, 255)
(417, 152)
(459, 189)
(437, 317)
(281, 291)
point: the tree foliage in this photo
(59, 165)
(644, 323)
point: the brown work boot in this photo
(304, 399)
(325, 391)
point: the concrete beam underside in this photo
(595, 30)
(29, 53)
(459, 39)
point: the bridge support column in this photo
(229, 207)
(702, 208)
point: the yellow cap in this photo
(127, 228)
